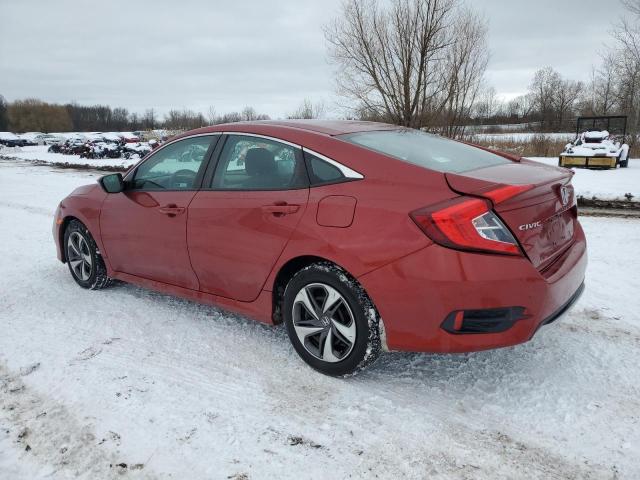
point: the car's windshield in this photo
(425, 149)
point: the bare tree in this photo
(598, 98)
(554, 98)
(465, 64)
(627, 64)
(184, 120)
(248, 114)
(616, 84)
(542, 90)
(406, 63)
(4, 117)
(565, 99)
(519, 107)
(149, 119)
(486, 103)
(308, 110)
(212, 115)
(627, 32)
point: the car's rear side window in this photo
(425, 150)
(321, 172)
(256, 163)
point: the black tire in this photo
(367, 345)
(93, 277)
(624, 163)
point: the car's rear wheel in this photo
(331, 322)
(85, 262)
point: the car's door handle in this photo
(280, 209)
(171, 210)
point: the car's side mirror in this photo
(113, 183)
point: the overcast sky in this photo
(269, 54)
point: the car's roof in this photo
(326, 127)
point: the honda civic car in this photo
(358, 236)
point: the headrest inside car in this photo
(260, 161)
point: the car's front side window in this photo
(174, 167)
(256, 163)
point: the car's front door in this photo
(144, 228)
(238, 226)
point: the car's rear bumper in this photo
(414, 295)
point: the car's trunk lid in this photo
(542, 217)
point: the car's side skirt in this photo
(259, 309)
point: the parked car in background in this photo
(11, 140)
(112, 137)
(28, 140)
(129, 150)
(49, 139)
(130, 137)
(359, 236)
(31, 137)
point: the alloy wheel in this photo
(323, 322)
(79, 256)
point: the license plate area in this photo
(557, 231)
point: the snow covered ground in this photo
(522, 136)
(91, 381)
(604, 184)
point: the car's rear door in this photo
(240, 222)
(144, 228)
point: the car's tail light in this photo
(500, 194)
(466, 224)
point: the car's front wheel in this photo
(85, 262)
(331, 322)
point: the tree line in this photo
(34, 115)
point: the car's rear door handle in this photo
(171, 210)
(281, 209)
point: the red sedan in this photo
(358, 236)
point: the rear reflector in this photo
(488, 320)
(466, 224)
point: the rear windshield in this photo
(425, 150)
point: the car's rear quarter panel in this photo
(382, 230)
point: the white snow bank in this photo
(522, 136)
(604, 184)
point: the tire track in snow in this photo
(51, 438)
(28, 208)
